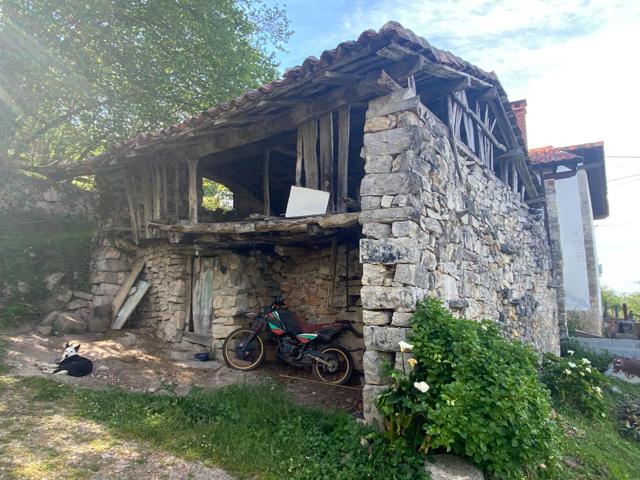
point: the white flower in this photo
(405, 347)
(364, 442)
(567, 372)
(572, 365)
(422, 386)
(570, 352)
(597, 389)
(585, 361)
(588, 369)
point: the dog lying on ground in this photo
(71, 363)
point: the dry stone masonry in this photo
(432, 227)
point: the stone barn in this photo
(431, 192)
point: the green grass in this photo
(248, 430)
(601, 452)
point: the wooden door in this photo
(202, 295)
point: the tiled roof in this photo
(549, 154)
(391, 31)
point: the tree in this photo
(77, 77)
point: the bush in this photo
(574, 382)
(599, 360)
(472, 392)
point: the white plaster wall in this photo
(574, 258)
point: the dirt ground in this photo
(37, 442)
(135, 360)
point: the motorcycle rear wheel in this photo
(235, 341)
(340, 369)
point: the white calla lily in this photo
(422, 386)
(405, 347)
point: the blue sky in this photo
(575, 61)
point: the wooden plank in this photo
(130, 305)
(165, 200)
(294, 225)
(479, 122)
(326, 157)
(202, 300)
(302, 113)
(338, 78)
(452, 135)
(157, 193)
(299, 156)
(265, 183)
(310, 137)
(192, 165)
(176, 192)
(132, 210)
(122, 294)
(147, 201)
(344, 120)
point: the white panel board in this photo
(306, 201)
(574, 260)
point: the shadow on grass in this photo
(250, 430)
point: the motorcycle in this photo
(297, 344)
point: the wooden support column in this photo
(165, 200)
(192, 165)
(147, 200)
(514, 177)
(343, 157)
(176, 191)
(326, 157)
(309, 140)
(132, 209)
(299, 156)
(157, 193)
(265, 184)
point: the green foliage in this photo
(33, 246)
(216, 196)
(574, 382)
(612, 298)
(253, 430)
(85, 75)
(599, 360)
(484, 401)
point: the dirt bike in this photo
(297, 344)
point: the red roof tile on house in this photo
(551, 155)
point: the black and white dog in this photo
(71, 363)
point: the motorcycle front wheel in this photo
(338, 367)
(242, 352)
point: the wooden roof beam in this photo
(376, 83)
(397, 52)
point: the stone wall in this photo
(452, 231)
(243, 282)
(22, 193)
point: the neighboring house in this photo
(576, 188)
(431, 192)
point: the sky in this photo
(575, 62)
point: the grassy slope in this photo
(600, 451)
(31, 247)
